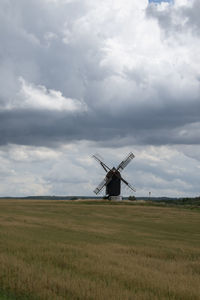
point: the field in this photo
(67, 250)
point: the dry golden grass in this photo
(61, 250)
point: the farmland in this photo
(67, 250)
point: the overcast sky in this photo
(79, 77)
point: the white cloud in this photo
(70, 170)
(38, 97)
(31, 154)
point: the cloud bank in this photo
(122, 74)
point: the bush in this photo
(132, 198)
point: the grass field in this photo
(62, 250)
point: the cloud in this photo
(116, 74)
(180, 18)
(70, 170)
(38, 97)
(94, 59)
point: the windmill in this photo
(113, 178)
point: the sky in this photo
(79, 77)
(160, 1)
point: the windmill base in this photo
(115, 198)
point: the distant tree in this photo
(132, 198)
(74, 198)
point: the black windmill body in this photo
(113, 178)
(113, 187)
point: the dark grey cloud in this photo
(178, 18)
(170, 124)
(192, 16)
(60, 45)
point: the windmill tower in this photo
(113, 178)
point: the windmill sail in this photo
(128, 184)
(100, 186)
(99, 159)
(125, 162)
(130, 187)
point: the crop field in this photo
(67, 250)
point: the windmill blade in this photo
(123, 180)
(100, 186)
(125, 188)
(99, 159)
(125, 162)
(128, 184)
(131, 187)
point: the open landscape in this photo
(98, 250)
(99, 150)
